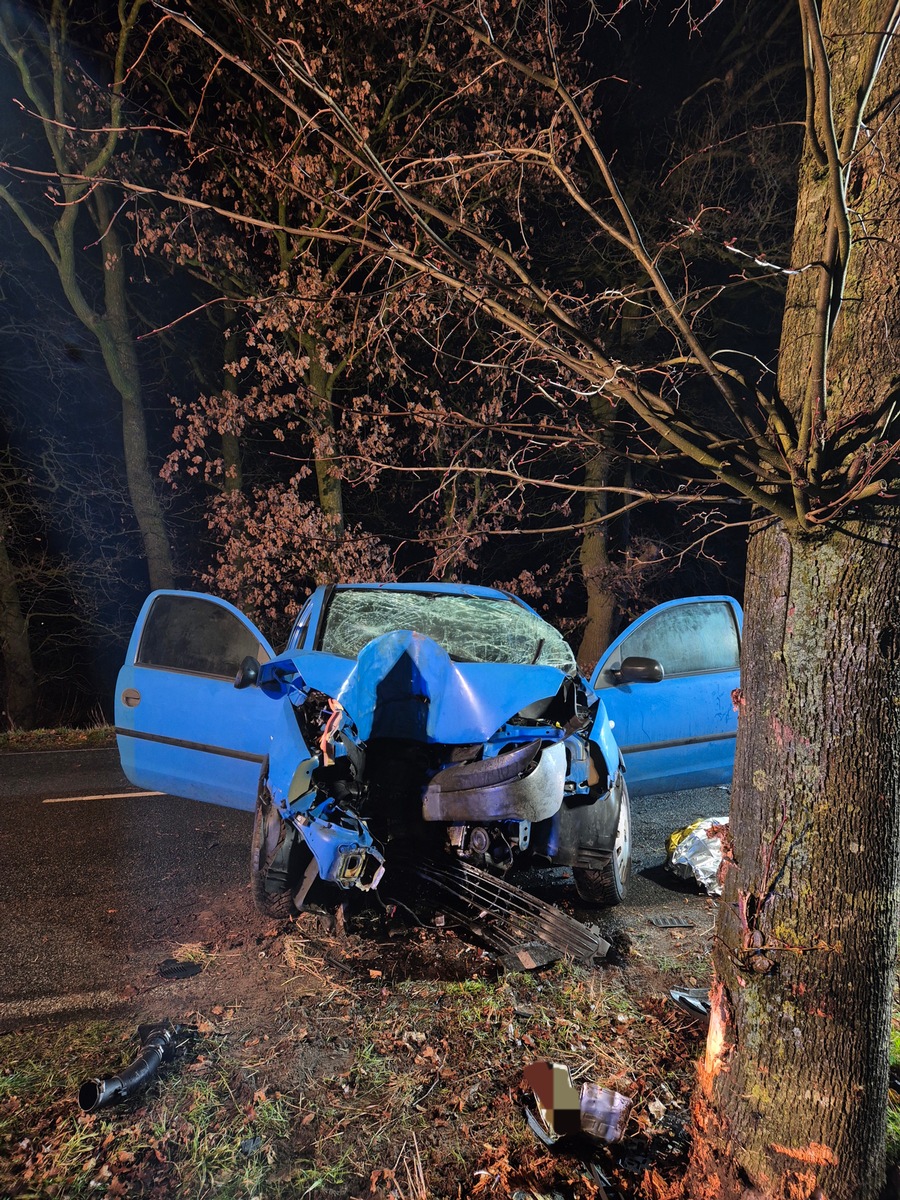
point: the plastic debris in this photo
(159, 1044)
(563, 1109)
(696, 852)
(529, 957)
(672, 922)
(656, 1109)
(173, 968)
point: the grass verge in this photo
(19, 740)
(353, 1082)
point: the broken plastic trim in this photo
(159, 1044)
(524, 783)
(174, 968)
(344, 856)
(506, 917)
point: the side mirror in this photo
(639, 670)
(248, 673)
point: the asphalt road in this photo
(99, 882)
(93, 891)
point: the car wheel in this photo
(273, 854)
(608, 885)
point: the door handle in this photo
(131, 697)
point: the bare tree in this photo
(76, 212)
(20, 683)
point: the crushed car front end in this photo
(416, 751)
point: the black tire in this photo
(273, 860)
(609, 885)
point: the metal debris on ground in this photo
(695, 852)
(509, 919)
(529, 957)
(663, 922)
(563, 1109)
(159, 1044)
(693, 1000)
(173, 968)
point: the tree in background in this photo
(330, 383)
(81, 122)
(794, 1084)
(60, 591)
(20, 680)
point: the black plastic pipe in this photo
(158, 1045)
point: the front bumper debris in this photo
(508, 919)
(522, 784)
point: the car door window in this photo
(690, 639)
(188, 633)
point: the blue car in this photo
(425, 721)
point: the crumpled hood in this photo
(404, 685)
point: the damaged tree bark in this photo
(794, 1084)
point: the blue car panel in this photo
(181, 726)
(403, 683)
(680, 732)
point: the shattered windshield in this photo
(470, 628)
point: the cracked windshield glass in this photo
(470, 628)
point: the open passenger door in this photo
(181, 725)
(679, 732)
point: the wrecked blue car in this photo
(430, 722)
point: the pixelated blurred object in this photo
(564, 1110)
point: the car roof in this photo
(451, 589)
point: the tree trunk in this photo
(793, 1090)
(794, 1085)
(594, 551)
(120, 359)
(321, 418)
(20, 702)
(120, 356)
(594, 558)
(232, 467)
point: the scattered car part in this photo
(663, 922)
(522, 784)
(530, 956)
(159, 1044)
(696, 852)
(693, 1000)
(563, 1109)
(174, 968)
(507, 918)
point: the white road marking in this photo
(108, 796)
(47, 1006)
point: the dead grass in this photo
(19, 740)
